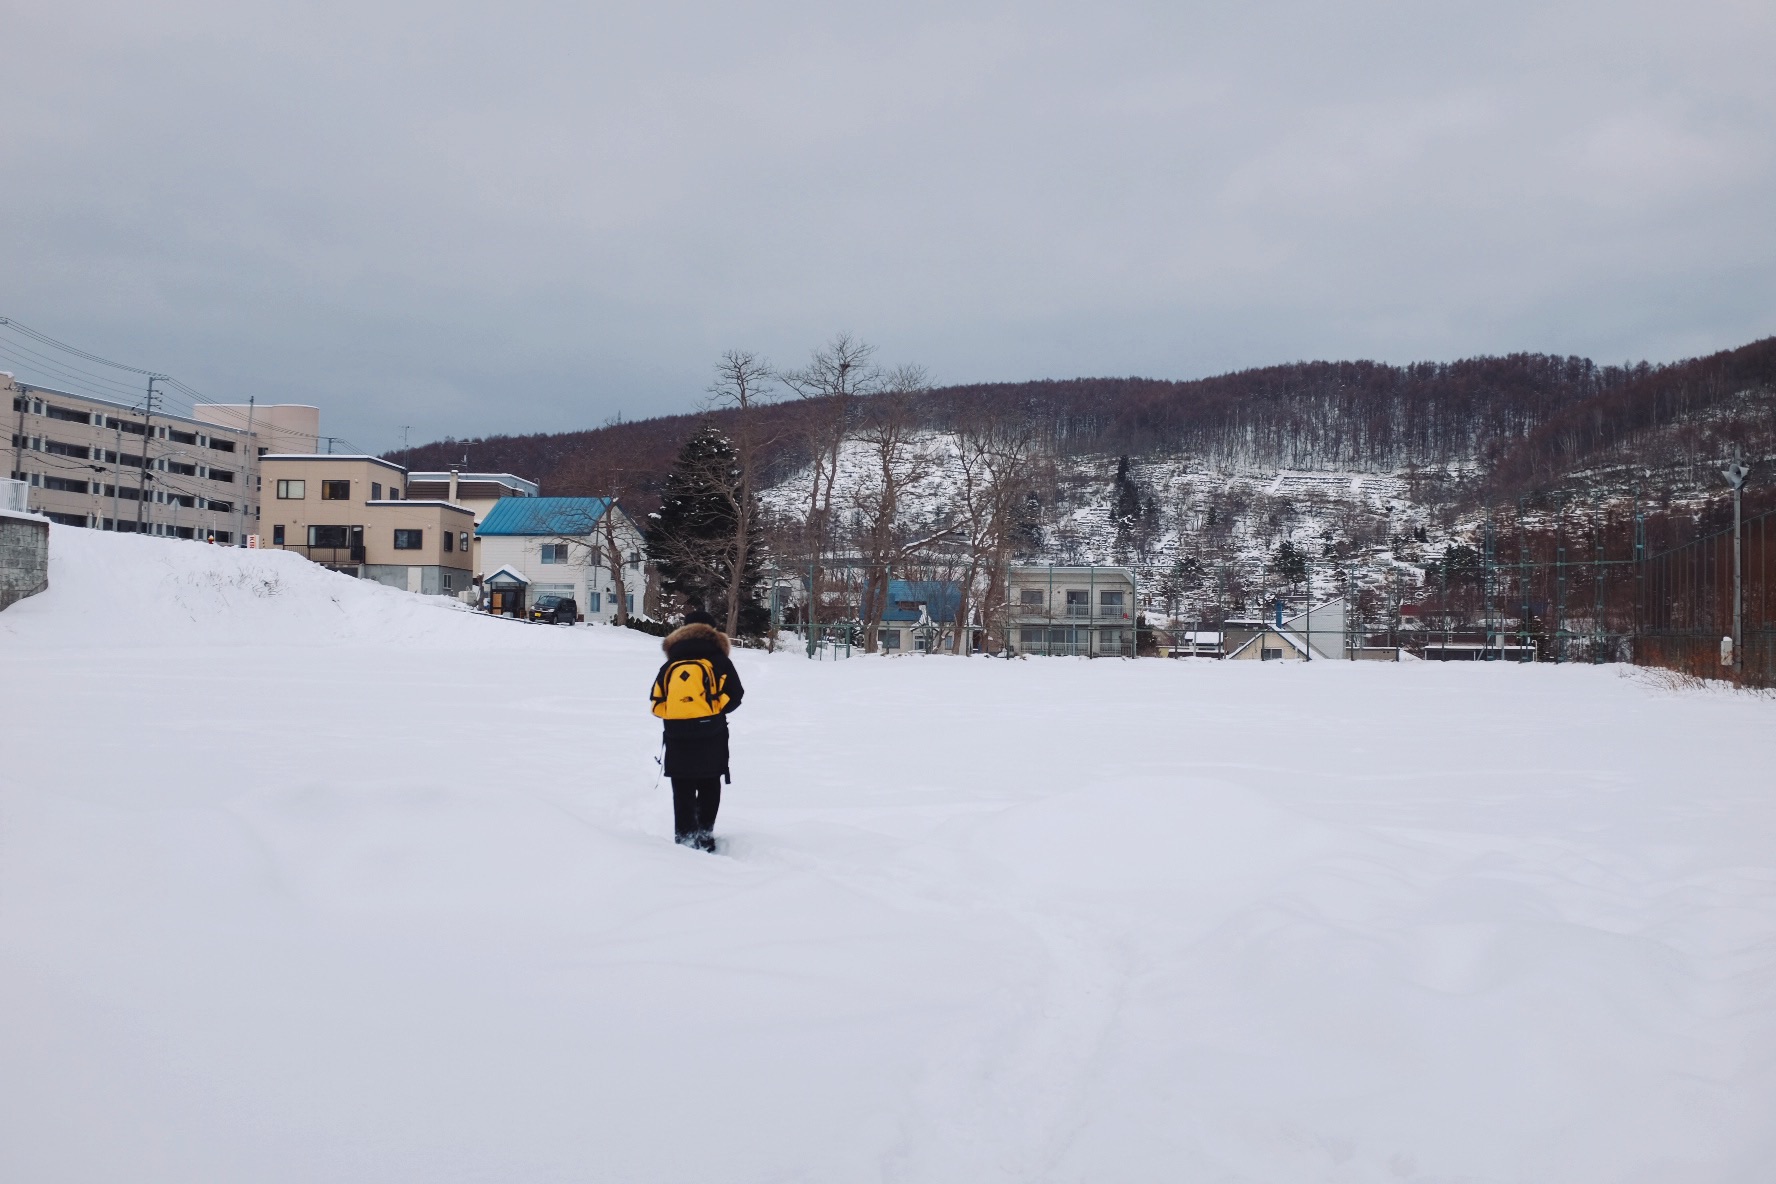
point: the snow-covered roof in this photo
(507, 575)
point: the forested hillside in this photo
(1501, 427)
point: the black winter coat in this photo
(699, 747)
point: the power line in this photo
(76, 350)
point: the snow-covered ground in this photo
(303, 879)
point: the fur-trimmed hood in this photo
(696, 632)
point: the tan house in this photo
(479, 492)
(352, 514)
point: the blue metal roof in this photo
(543, 515)
(939, 597)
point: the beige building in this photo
(1081, 611)
(479, 492)
(107, 465)
(281, 427)
(352, 514)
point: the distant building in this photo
(1071, 610)
(107, 465)
(1191, 644)
(352, 514)
(1317, 632)
(920, 617)
(536, 546)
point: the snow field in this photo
(304, 879)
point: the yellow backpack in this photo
(689, 688)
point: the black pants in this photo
(694, 803)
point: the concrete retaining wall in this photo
(24, 557)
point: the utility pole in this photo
(142, 477)
(250, 455)
(1736, 473)
(117, 477)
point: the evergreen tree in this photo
(1289, 564)
(691, 537)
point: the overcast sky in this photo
(476, 218)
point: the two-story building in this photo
(1080, 611)
(920, 617)
(535, 546)
(352, 514)
(479, 492)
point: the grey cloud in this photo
(474, 218)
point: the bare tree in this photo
(993, 460)
(836, 377)
(889, 436)
(614, 482)
(743, 381)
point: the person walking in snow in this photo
(692, 695)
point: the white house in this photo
(561, 545)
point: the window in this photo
(173, 466)
(1030, 597)
(57, 448)
(1079, 604)
(65, 519)
(1033, 637)
(375, 491)
(336, 491)
(277, 536)
(124, 425)
(629, 602)
(222, 536)
(449, 542)
(183, 499)
(554, 552)
(54, 412)
(1268, 655)
(179, 437)
(1110, 604)
(449, 580)
(635, 559)
(221, 507)
(595, 602)
(221, 446)
(221, 475)
(65, 485)
(465, 542)
(1109, 639)
(888, 639)
(327, 536)
(292, 490)
(410, 540)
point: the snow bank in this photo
(338, 884)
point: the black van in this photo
(560, 610)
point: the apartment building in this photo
(106, 465)
(352, 514)
(1075, 611)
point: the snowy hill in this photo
(305, 879)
